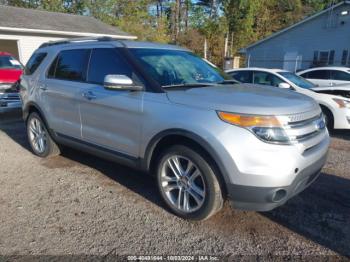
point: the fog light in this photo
(279, 195)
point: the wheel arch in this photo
(33, 107)
(170, 137)
(327, 108)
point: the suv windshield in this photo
(173, 68)
(9, 62)
(297, 80)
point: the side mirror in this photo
(284, 86)
(120, 82)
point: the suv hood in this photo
(245, 99)
(10, 75)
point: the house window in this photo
(323, 58)
(344, 57)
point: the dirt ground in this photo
(77, 204)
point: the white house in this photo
(23, 30)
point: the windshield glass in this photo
(174, 67)
(297, 80)
(9, 62)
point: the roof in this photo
(39, 21)
(294, 25)
(87, 41)
(340, 68)
(272, 70)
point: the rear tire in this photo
(188, 183)
(39, 138)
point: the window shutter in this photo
(331, 57)
(344, 58)
(315, 58)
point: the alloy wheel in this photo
(37, 135)
(183, 184)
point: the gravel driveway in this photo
(78, 204)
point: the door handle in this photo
(43, 87)
(89, 95)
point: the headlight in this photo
(5, 85)
(266, 128)
(342, 103)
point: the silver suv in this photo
(164, 110)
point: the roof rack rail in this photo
(77, 40)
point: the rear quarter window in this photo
(70, 65)
(34, 62)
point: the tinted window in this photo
(107, 62)
(242, 76)
(34, 62)
(319, 74)
(264, 78)
(70, 65)
(52, 69)
(305, 75)
(340, 75)
(9, 62)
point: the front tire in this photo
(188, 183)
(39, 138)
(329, 119)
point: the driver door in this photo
(111, 119)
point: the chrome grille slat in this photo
(305, 129)
(9, 97)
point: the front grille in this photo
(10, 97)
(307, 129)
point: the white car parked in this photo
(334, 101)
(327, 76)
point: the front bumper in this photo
(261, 176)
(342, 118)
(10, 102)
(268, 198)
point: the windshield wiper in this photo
(189, 85)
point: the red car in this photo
(10, 72)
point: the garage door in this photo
(9, 46)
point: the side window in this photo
(305, 75)
(319, 74)
(107, 61)
(340, 75)
(70, 65)
(264, 78)
(34, 62)
(242, 76)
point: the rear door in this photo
(340, 77)
(110, 119)
(319, 77)
(60, 91)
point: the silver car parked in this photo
(162, 109)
